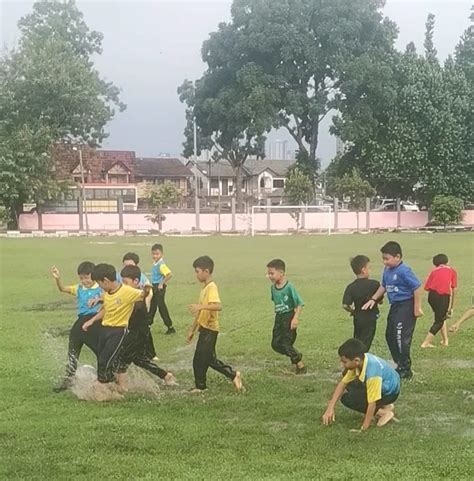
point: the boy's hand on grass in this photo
(329, 416)
(194, 309)
(419, 312)
(55, 272)
(294, 323)
(454, 328)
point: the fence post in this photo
(367, 213)
(197, 211)
(269, 203)
(232, 205)
(120, 211)
(303, 219)
(80, 211)
(39, 209)
(399, 214)
(336, 213)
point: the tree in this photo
(465, 50)
(49, 92)
(446, 210)
(299, 190)
(413, 137)
(356, 188)
(160, 197)
(230, 108)
(431, 53)
(302, 49)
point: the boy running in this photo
(440, 285)
(206, 320)
(288, 307)
(85, 291)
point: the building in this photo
(277, 149)
(159, 170)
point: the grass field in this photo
(273, 431)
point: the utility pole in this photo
(83, 188)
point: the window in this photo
(214, 184)
(262, 182)
(278, 183)
(100, 194)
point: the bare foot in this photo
(454, 328)
(385, 417)
(237, 382)
(445, 343)
(425, 345)
(170, 380)
(197, 391)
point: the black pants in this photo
(364, 330)
(110, 345)
(205, 358)
(440, 305)
(149, 345)
(283, 337)
(77, 338)
(355, 397)
(158, 302)
(134, 350)
(400, 328)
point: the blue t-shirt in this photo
(143, 280)
(400, 283)
(83, 296)
(159, 270)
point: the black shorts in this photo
(440, 305)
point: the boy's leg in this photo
(392, 331)
(163, 309)
(284, 338)
(202, 358)
(150, 351)
(444, 335)
(215, 363)
(355, 397)
(153, 304)
(404, 337)
(76, 341)
(111, 343)
(365, 332)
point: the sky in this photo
(150, 47)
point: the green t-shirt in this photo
(286, 298)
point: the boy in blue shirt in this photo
(160, 276)
(404, 293)
(369, 386)
(86, 291)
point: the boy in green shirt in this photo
(288, 307)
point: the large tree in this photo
(413, 137)
(49, 92)
(303, 48)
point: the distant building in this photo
(277, 149)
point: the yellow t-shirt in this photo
(119, 306)
(209, 295)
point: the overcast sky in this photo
(150, 47)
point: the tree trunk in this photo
(238, 190)
(357, 213)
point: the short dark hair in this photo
(131, 256)
(157, 247)
(392, 248)
(204, 263)
(277, 264)
(439, 259)
(104, 271)
(85, 268)
(352, 348)
(358, 263)
(131, 272)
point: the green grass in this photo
(271, 432)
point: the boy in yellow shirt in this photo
(118, 303)
(206, 320)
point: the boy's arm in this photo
(330, 416)
(418, 295)
(295, 320)
(98, 317)
(212, 306)
(379, 293)
(57, 277)
(192, 329)
(347, 300)
(369, 414)
(451, 302)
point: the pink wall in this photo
(185, 222)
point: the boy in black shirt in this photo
(357, 293)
